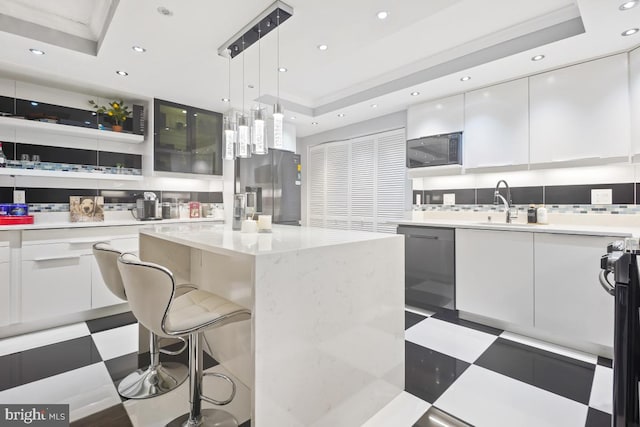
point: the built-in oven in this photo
(435, 150)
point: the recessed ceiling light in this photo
(226, 100)
(628, 5)
(538, 58)
(122, 73)
(36, 51)
(323, 47)
(282, 70)
(293, 117)
(341, 115)
(374, 105)
(34, 103)
(630, 32)
(195, 114)
(164, 11)
(184, 111)
(465, 78)
(314, 123)
(383, 14)
(139, 49)
(415, 93)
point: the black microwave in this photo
(435, 150)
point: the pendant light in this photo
(244, 137)
(228, 124)
(257, 132)
(278, 113)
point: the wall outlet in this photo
(449, 199)
(602, 197)
(19, 196)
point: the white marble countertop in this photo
(219, 238)
(589, 230)
(112, 223)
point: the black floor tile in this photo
(245, 424)
(110, 417)
(110, 322)
(435, 417)
(597, 418)
(451, 316)
(603, 361)
(31, 365)
(411, 319)
(549, 371)
(428, 373)
(120, 367)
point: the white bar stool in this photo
(151, 292)
(158, 378)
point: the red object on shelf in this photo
(16, 220)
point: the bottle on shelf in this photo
(3, 158)
(542, 215)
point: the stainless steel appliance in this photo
(429, 266)
(435, 150)
(239, 202)
(621, 260)
(147, 208)
(275, 178)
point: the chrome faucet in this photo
(507, 202)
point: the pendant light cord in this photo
(229, 77)
(243, 55)
(278, 55)
(259, 61)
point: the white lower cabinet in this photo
(494, 274)
(5, 293)
(569, 300)
(55, 285)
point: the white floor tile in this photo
(162, 409)
(487, 399)
(117, 342)
(42, 338)
(602, 389)
(420, 311)
(87, 390)
(453, 340)
(543, 345)
(403, 411)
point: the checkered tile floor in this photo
(458, 373)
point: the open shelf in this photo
(69, 174)
(55, 128)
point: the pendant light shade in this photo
(278, 124)
(229, 138)
(244, 149)
(258, 139)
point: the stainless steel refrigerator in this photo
(275, 178)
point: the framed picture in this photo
(86, 208)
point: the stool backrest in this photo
(150, 289)
(107, 259)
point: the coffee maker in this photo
(147, 208)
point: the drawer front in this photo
(55, 286)
(4, 293)
(4, 252)
(72, 247)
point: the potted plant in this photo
(116, 110)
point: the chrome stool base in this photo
(208, 418)
(153, 381)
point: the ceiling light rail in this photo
(265, 21)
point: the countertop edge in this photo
(125, 223)
(585, 230)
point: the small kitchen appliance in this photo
(147, 208)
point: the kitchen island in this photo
(325, 345)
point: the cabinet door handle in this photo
(85, 241)
(56, 258)
(422, 237)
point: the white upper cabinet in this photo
(581, 112)
(496, 125)
(634, 81)
(436, 117)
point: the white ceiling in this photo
(368, 60)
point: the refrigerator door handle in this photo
(604, 282)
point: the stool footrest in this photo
(220, 402)
(185, 344)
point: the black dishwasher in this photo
(429, 266)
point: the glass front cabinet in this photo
(187, 139)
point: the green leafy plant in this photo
(116, 110)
